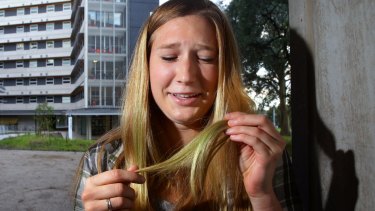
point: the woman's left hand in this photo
(261, 146)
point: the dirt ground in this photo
(37, 180)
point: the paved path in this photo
(36, 180)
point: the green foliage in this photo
(37, 142)
(44, 118)
(262, 32)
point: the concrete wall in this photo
(333, 102)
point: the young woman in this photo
(189, 138)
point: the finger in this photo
(273, 144)
(116, 176)
(252, 141)
(113, 190)
(118, 203)
(261, 121)
(133, 168)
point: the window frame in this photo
(50, 64)
(50, 26)
(66, 80)
(33, 99)
(19, 82)
(19, 100)
(33, 45)
(2, 13)
(1, 82)
(67, 43)
(2, 30)
(50, 99)
(33, 81)
(2, 48)
(34, 27)
(50, 44)
(19, 13)
(65, 23)
(2, 65)
(50, 8)
(67, 6)
(20, 29)
(20, 46)
(34, 10)
(64, 60)
(18, 64)
(33, 62)
(50, 81)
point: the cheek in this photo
(211, 79)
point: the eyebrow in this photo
(176, 45)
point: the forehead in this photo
(184, 29)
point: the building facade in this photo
(71, 54)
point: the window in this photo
(19, 100)
(50, 44)
(32, 81)
(1, 30)
(66, 44)
(67, 6)
(2, 13)
(1, 65)
(32, 100)
(20, 29)
(34, 45)
(49, 99)
(33, 64)
(20, 11)
(66, 80)
(1, 82)
(67, 25)
(1, 48)
(50, 26)
(34, 27)
(66, 99)
(49, 81)
(51, 8)
(66, 62)
(50, 62)
(20, 46)
(19, 64)
(33, 10)
(19, 82)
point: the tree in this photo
(44, 118)
(262, 32)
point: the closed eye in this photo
(169, 58)
(207, 59)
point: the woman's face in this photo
(184, 69)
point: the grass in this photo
(44, 143)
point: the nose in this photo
(186, 71)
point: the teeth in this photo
(185, 95)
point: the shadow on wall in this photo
(310, 136)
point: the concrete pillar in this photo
(88, 128)
(333, 102)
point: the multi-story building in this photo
(73, 55)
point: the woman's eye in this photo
(169, 58)
(207, 59)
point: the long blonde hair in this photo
(211, 160)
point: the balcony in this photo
(11, 3)
(36, 72)
(36, 18)
(35, 36)
(32, 106)
(35, 54)
(61, 89)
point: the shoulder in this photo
(102, 153)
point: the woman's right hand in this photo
(113, 185)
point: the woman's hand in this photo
(261, 146)
(113, 185)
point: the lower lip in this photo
(185, 101)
